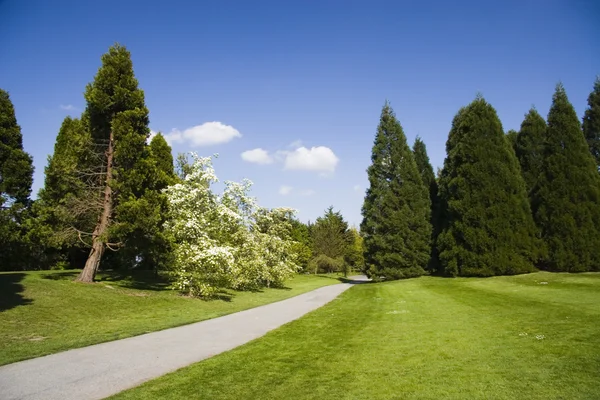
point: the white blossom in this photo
(227, 240)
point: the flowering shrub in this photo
(226, 241)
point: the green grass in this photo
(46, 312)
(426, 338)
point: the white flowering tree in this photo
(226, 241)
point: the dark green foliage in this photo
(62, 208)
(429, 179)
(488, 228)
(326, 264)
(511, 136)
(16, 169)
(140, 219)
(566, 198)
(591, 122)
(303, 247)
(16, 177)
(330, 234)
(529, 147)
(396, 212)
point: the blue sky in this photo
(302, 80)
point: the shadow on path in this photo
(10, 291)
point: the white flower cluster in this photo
(226, 241)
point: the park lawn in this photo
(533, 336)
(45, 312)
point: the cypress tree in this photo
(117, 119)
(530, 147)
(566, 198)
(16, 177)
(488, 229)
(428, 178)
(397, 209)
(591, 122)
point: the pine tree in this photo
(530, 147)
(428, 177)
(488, 228)
(396, 212)
(117, 119)
(16, 177)
(566, 197)
(591, 122)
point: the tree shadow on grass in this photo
(140, 280)
(10, 291)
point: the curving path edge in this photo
(101, 370)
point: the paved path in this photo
(98, 371)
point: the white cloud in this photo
(285, 190)
(357, 188)
(307, 192)
(320, 158)
(257, 156)
(207, 134)
(68, 107)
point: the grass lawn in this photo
(45, 312)
(533, 336)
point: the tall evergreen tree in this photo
(529, 147)
(16, 169)
(488, 228)
(429, 179)
(396, 211)
(62, 207)
(139, 223)
(566, 197)
(511, 135)
(591, 122)
(16, 177)
(117, 119)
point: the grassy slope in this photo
(426, 338)
(46, 312)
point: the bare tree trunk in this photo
(91, 265)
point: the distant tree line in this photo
(112, 198)
(502, 204)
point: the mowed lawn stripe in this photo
(418, 339)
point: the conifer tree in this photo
(488, 228)
(511, 136)
(139, 223)
(429, 179)
(530, 147)
(397, 210)
(16, 169)
(117, 119)
(591, 122)
(63, 206)
(566, 197)
(16, 177)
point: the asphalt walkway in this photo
(98, 371)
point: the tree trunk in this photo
(91, 265)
